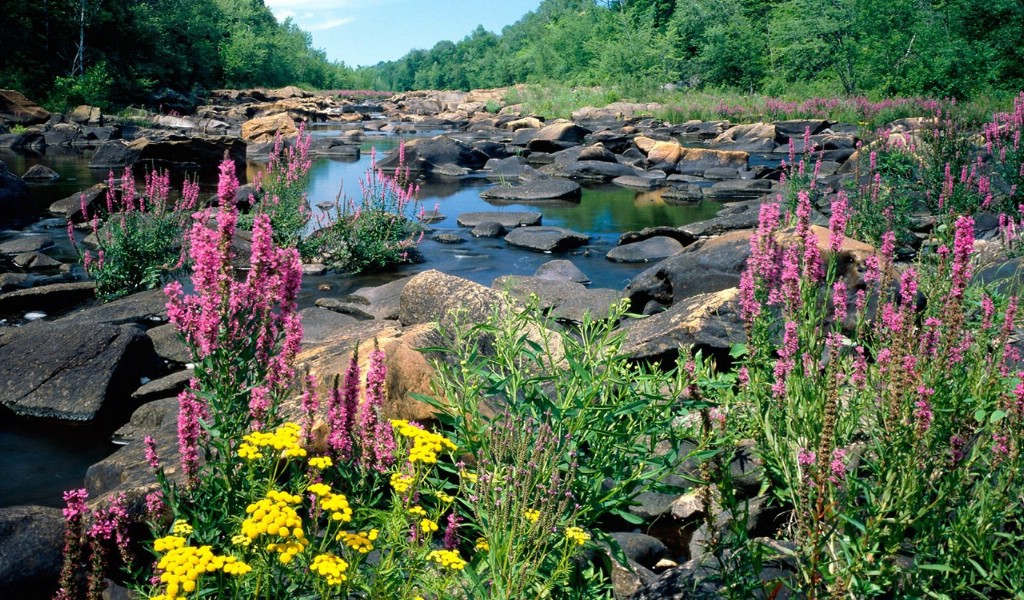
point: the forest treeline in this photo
(105, 52)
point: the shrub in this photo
(378, 233)
(281, 190)
(139, 245)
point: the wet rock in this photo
(675, 233)
(320, 322)
(72, 371)
(513, 167)
(596, 170)
(683, 195)
(40, 174)
(561, 270)
(650, 249)
(16, 109)
(71, 207)
(706, 320)
(743, 215)
(31, 551)
(114, 154)
(35, 260)
(489, 229)
(32, 140)
(50, 298)
(26, 243)
(10, 282)
(536, 191)
(144, 308)
(449, 238)
(706, 266)
(15, 197)
(508, 220)
(335, 147)
(546, 238)
(168, 345)
(427, 154)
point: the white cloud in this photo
(282, 14)
(329, 24)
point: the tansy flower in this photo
(319, 489)
(470, 477)
(448, 559)
(577, 535)
(417, 511)
(360, 541)
(443, 497)
(337, 505)
(240, 540)
(428, 526)
(320, 462)
(248, 451)
(181, 528)
(330, 567)
(482, 545)
(169, 542)
(401, 483)
(531, 515)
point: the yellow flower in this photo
(248, 451)
(320, 462)
(319, 489)
(182, 567)
(531, 514)
(240, 540)
(417, 511)
(360, 541)
(181, 528)
(482, 545)
(337, 505)
(400, 482)
(284, 439)
(330, 567)
(449, 559)
(577, 535)
(427, 526)
(169, 542)
(443, 497)
(470, 477)
(425, 444)
(275, 516)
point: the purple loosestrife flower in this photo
(837, 222)
(227, 185)
(806, 458)
(151, 455)
(923, 410)
(860, 368)
(451, 532)
(786, 361)
(839, 302)
(963, 247)
(155, 505)
(259, 406)
(341, 415)
(374, 432)
(190, 432)
(837, 468)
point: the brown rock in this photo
(15, 108)
(264, 129)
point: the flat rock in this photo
(706, 320)
(637, 182)
(146, 308)
(596, 170)
(71, 207)
(561, 270)
(49, 298)
(26, 243)
(72, 371)
(739, 189)
(650, 249)
(164, 387)
(489, 229)
(319, 324)
(168, 345)
(536, 191)
(683, 194)
(697, 161)
(35, 260)
(40, 173)
(31, 551)
(675, 233)
(508, 220)
(559, 299)
(742, 215)
(449, 238)
(545, 238)
(557, 136)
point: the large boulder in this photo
(559, 299)
(546, 238)
(16, 109)
(433, 296)
(15, 197)
(72, 371)
(31, 551)
(40, 174)
(697, 161)
(508, 220)
(86, 115)
(429, 154)
(71, 207)
(179, 151)
(650, 249)
(535, 191)
(114, 154)
(264, 129)
(595, 170)
(557, 136)
(756, 137)
(710, 321)
(736, 190)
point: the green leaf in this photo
(996, 416)
(738, 351)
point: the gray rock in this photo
(596, 170)
(164, 387)
(508, 220)
(557, 136)
(145, 308)
(114, 154)
(706, 266)
(49, 298)
(650, 249)
(319, 324)
(744, 216)
(559, 299)
(721, 173)
(739, 189)
(630, 578)
(127, 469)
(561, 270)
(684, 195)
(546, 239)
(513, 167)
(71, 207)
(35, 260)
(596, 152)
(431, 216)
(31, 551)
(15, 281)
(168, 345)
(62, 134)
(707, 320)
(449, 238)
(536, 191)
(313, 269)
(795, 128)
(31, 140)
(40, 173)
(72, 371)
(26, 243)
(433, 296)
(489, 229)
(641, 548)
(427, 154)
(675, 233)
(637, 182)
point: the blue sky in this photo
(365, 32)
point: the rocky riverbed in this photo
(121, 363)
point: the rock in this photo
(313, 269)
(40, 173)
(334, 147)
(449, 238)
(559, 299)
(557, 136)
(164, 387)
(650, 249)
(596, 170)
(26, 243)
(696, 161)
(663, 152)
(72, 371)
(706, 266)
(722, 173)
(427, 154)
(31, 551)
(536, 191)
(513, 167)
(143, 308)
(50, 298)
(489, 229)
(62, 134)
(10, 282)
(641, 548)
(561, 270)
(675, 233)
(127, 470)
(319, 323)
(637, 182)
(739, 190)
(71, 207)
(795, 128)
(148, 418)
(523, 123)
(168, 345)
(408, 370)
(15, 197)
(705, 320)
(741, 215)
(545, 238)
(179, 151)
(86, 115)
(31, 140)
(756, 137)
(114, 154)
(16, 109)
(629, 579)
(596, 152)
(35, 260)
(508, 220)
(433, 296)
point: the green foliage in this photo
(140, 243)
(94, 87)
(281, 190)
(376, 234)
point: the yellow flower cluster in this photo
(443, 497)
(330, 567)
(425, 444)
(448, 559)
(168, 542)
(401, 482)
(482, 545)
(337, 505)
(284, 440)
(427, 526)
(532, 515)
(321, 462)
(275, 516)
(182, 567)
(468, 476)
(360, 541)
(417, 511)
(577, 535)
(181, 528)
(319, 489)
